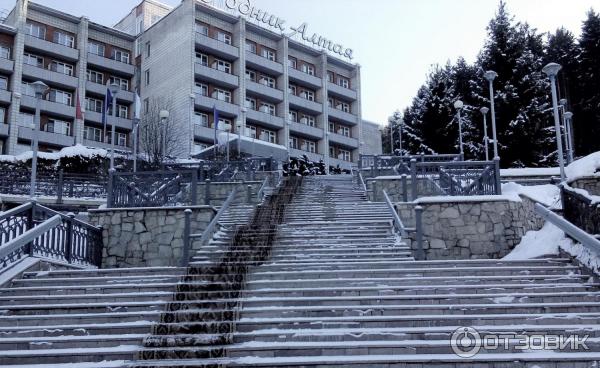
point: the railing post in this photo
(422, 157)
(30, 225)
(404, 188)
(249, 194)
(194, 189)
(207, 192)
(69, 238)
(419, 226)
(360, 162)
(413, 178)
(375, 191)
(497, 175)
(187, 241)
(59, 188)
(110, 195)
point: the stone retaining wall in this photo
(147, 237)
(591, 184)
(219, 192)
(467, 229)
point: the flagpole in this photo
(136, 127)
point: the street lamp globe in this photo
(563, 102)
(164, 114)
(490, 75)
(552, 69)
(568, 115)
(459, 105)
(39, 88)
(114, 89)
(484, 110)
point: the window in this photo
(96, 48)
(250, 75)
(121, 82)
(36, 30)
(202, 59)
(4, 52)
(224, 37)
(202, 29)
(343, 106)
(58, 127)
(331, 127)
(201, 89)
(123, 111)
(31, 59)
(201, 119)
(4, 83)
(308, 120)
(344, 82)
(345, 131)
(59, 96)
(27, 89)
(331, 151)
(92, 134)
(122, 139)
(95, 77)
(146, 105)
(293, 116)
(251, 131)
(268, 54)
(120, 55)
(147, 49)
(293, 62)
(26, 120)
(2, 115)
(65, 39)
(251, 46)
(221, 95)
(267, 81)
(140, 26)
(293, 143)
(250, 103)
(268, 136)
(330, 77)
(308, 95)
(293, 90)
(309, 146)
(308, 69)
(267, 108)
(223, 122)
(147, 77)
(62, 68)
(344, 155)
(330, 102)
(223, 66)
(94, 105)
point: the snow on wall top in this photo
(587, 166)
(77, 150)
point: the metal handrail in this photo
(397, 220)
(362, 182)
(29, 236)
(573, 231)
(15, 211)
(261, 191)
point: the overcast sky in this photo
(395, 41)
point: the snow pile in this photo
(75, 151)
(594, 198)
(531, 171)
(587, 166)
(548, 195)
(536, 244)
(585, 255)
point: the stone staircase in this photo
(330, 286)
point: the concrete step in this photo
(64, 356)
(89, 289)
(86, 298)
(116, 272)
(109, 280)
(56, 330)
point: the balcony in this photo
(3, 130)
(50, 77)
(262, 64)
(5, 96)
(315, 157)
(54, 108)
(204, 133)
(265, 119)
(47, 138)
(343, 140)
(266, 92)
(339, 91)
(110, 64)
(96, 117)
(343, 116)
(7, 66)
(299, 103)
(100, 89)
(216, 76)
(207, 104)
(343, 164)
(107, 146)
(306, 130)
(50, 48)
(216, 47)
(305, 79)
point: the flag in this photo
(107, 102)
(138, 106)
(78, 111)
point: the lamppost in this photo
(164, 120)
(400, 128)
(114, 91)
(562, 108)
(458, 105)
(551, 70)
(490, 76)
(241, 129)
(486, 139)
(391, 121)
(39, 88)
(227, 128)
(569, 116)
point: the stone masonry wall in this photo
(147, 237)
(219, 192)
(469, 229)
(591, 184)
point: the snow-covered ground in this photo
(536, 244)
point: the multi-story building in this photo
(194, 59)
(75, 58)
